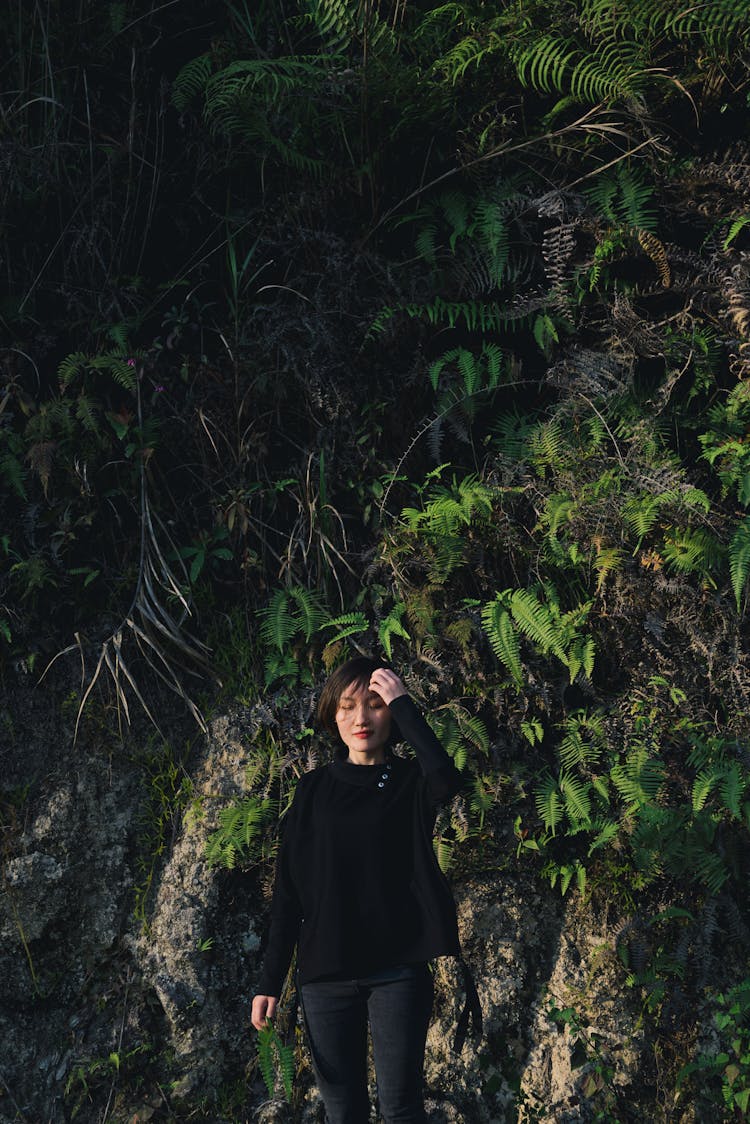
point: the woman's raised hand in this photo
(264, 1007)
(387, 684)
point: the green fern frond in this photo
(624, 198)
(733, 786)
(736, 226)
(489, 229)
(240, 831)
(118, 366)
(512, 433)
(609, 831)
(392, 626)
(739, 560)
(641, 513)
(548, 445)
(191, 81)
(426, 243)
(469, 52)
(278, 624)
(86, 414)
(348, 624)
(342, 24)
(613, 70)
(639, 778)
(309, 615)
(533, 730)
(575, 749)
(13, 474)
(271, 77)
(443, 852)
(703, 785)
(475, 731)
(498, 626)
(635, 199)
(709, 867)
(575, 794)
(549, 804)
(719, 22)
(606, 561)
(70, 368)
(558, 509)
(273, 1057)
(535, 621)
(478, 373)
(690, 551)
(121, 369)
(477, 316)
(266, 1058)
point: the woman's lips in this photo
(363, 733)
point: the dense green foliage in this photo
(420, 329)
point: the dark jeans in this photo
(398, 1004)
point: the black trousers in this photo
(397, 1003)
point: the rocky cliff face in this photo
(108, 1016)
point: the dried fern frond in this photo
(656, 251)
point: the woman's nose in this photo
(359, 714)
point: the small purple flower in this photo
(159, 389)
(131, 362)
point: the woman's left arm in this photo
(442, 776)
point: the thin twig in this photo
(428, 426)
(504, 150)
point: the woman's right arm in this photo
(286, 919)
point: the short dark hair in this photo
(353, 673)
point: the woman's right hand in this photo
(264, 1007)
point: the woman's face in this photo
(363, 721)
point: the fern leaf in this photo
(575, 750)
(190, 81)
(639, 778)
(348, 624)
(13, 473)
(703, 785)
(391, 626)
(277, 622)
(475, 730)
(605, 835)
(533, 731)
(576, 797)
(735, 228)
(535, 621)
(655, 250)
(70, 368)
(286, 1069)
(274, 1056)
(309, 615)
(732, 788)
(265, 1058)
(549, 805)
(502, 636)
(739, 560)
(691, 551)
(86, 414)
(241, 829)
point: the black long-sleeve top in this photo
(358, 886)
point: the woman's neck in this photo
(376, 757)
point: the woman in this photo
(359, 891)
